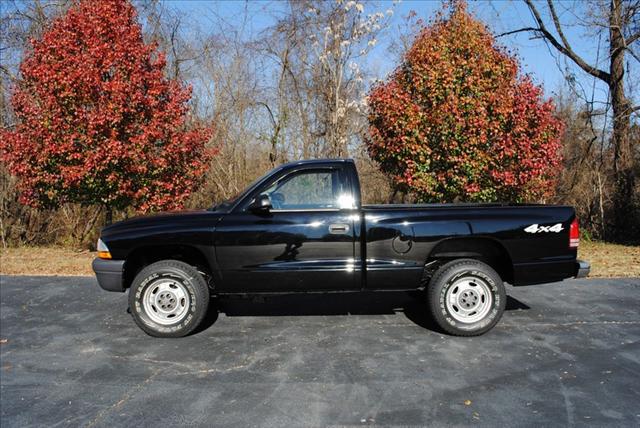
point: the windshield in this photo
(232, 200)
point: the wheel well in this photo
(144, 256)
(484, 249)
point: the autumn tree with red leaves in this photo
(97, 120)
(458, 122)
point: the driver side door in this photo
(305, 242)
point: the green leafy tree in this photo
(457, 121)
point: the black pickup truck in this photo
(302, 228)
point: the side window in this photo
(306, 190)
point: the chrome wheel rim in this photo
(166, 302)
(469, 300)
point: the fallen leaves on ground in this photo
(611, 260)
(45, 261)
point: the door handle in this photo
(338, 228)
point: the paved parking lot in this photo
(564, 354)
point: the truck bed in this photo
(430, 231)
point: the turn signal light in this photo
(574, 234)
(103, 250)
(104, 254)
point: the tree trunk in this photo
(622, 154)
(108, 217)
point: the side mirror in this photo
(261, 204)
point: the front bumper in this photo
(109, 274)
(582, 268)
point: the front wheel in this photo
(168, 298)
(466, 297)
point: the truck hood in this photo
(165, 220)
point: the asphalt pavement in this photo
(564, 354)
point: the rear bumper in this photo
(109, 274)
(549, 271)
(582, 269)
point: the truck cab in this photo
(299, 229)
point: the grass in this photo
(607, 260)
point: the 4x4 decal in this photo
(536, 228)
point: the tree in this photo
(619, 19)
(584, 182)
(97, 121)
(456, 120)
(316, 50)
(341, 35)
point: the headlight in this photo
(103, 250)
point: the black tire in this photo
(176, 286)
(470, 314)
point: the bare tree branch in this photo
(632, 38)
(556, 23)
(564, 47)
(520, 30)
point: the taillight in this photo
(574, 234)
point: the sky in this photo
(541, 62)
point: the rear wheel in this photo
(466, 297)
(169, 298)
